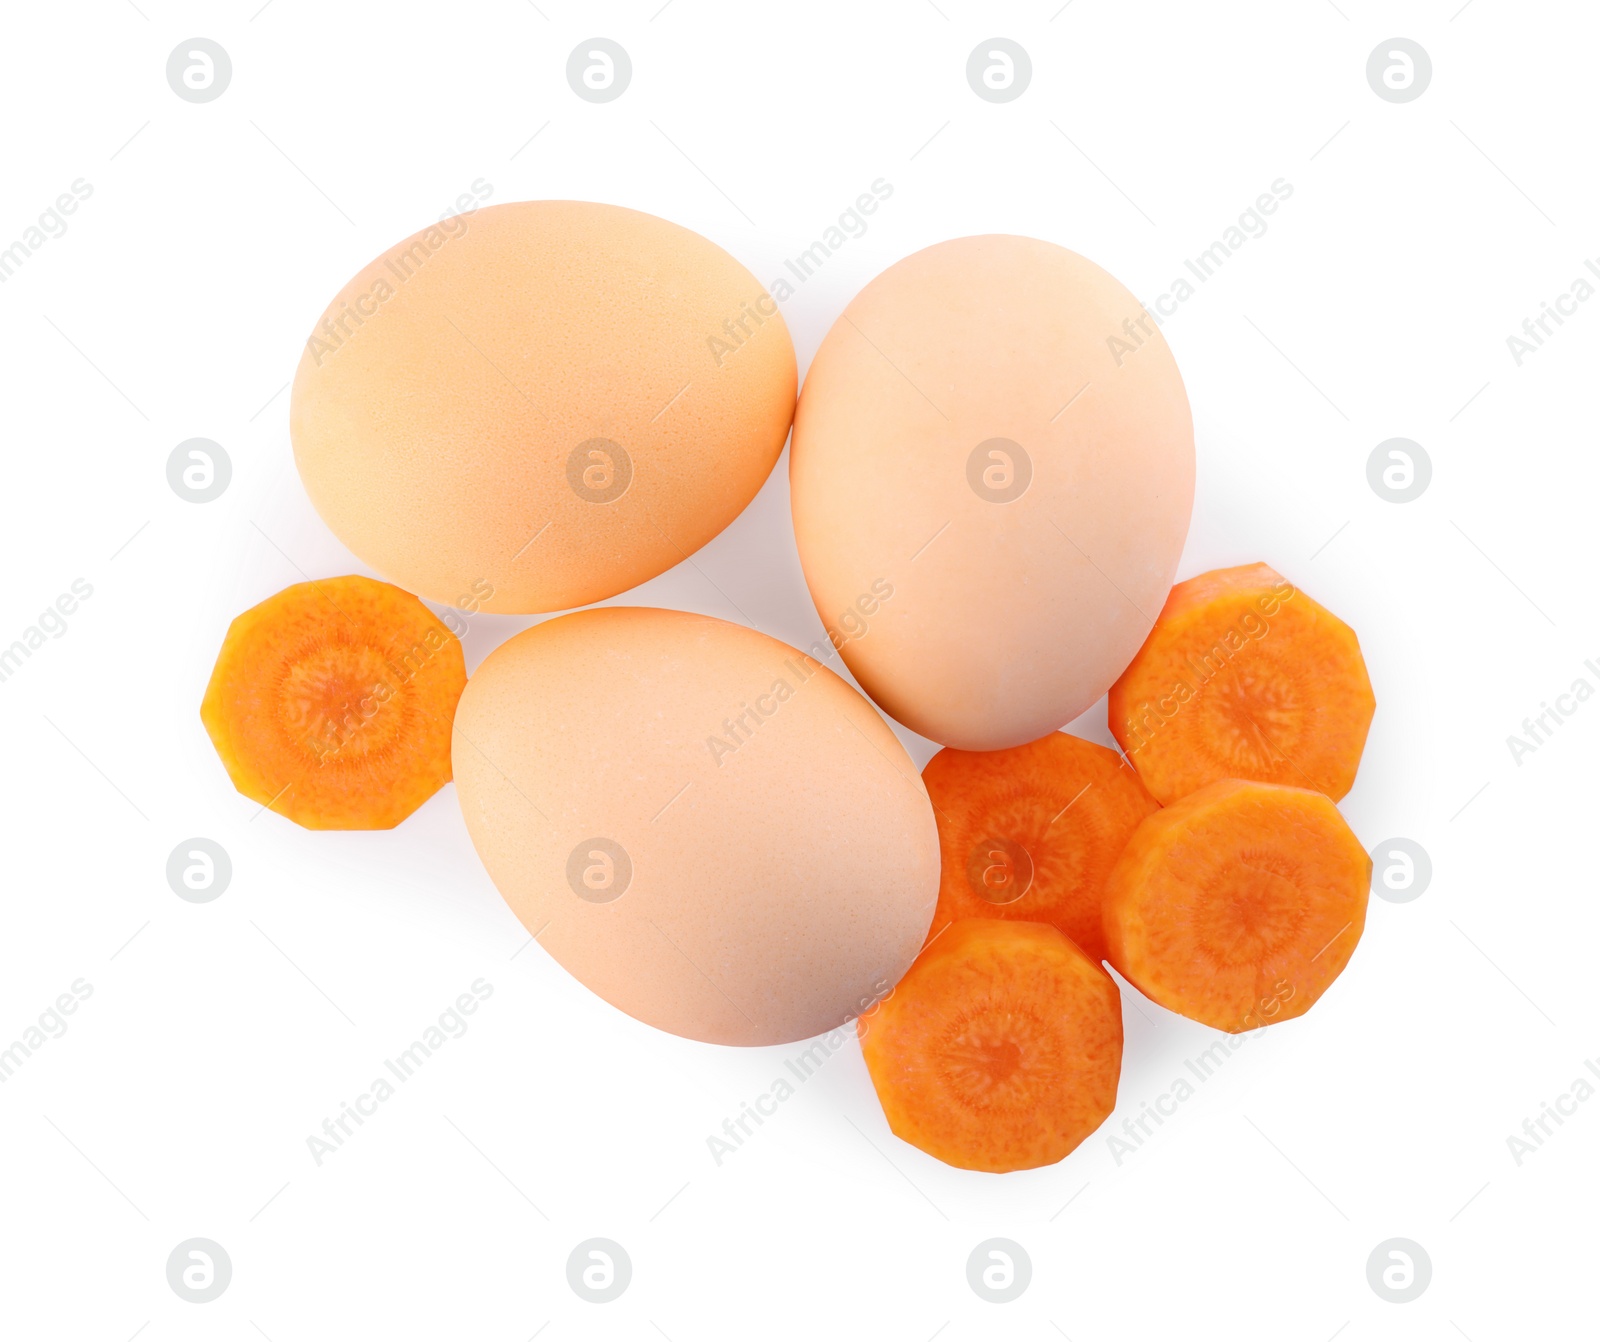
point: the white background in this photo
(220, 1035)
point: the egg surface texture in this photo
(705, 826)
(996, 431)
(542, 404)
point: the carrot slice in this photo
(1032, 832)
(1238, 905)
(1244, 676)
(331, 703)
(999, 1050)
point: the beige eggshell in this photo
(1010, 613)
(705, 826)
(541, 404)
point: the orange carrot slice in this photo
(1032, 832)
(999, 1050)
(1238, 905)
(331, 703)
(1244, 676)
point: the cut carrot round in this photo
(1238, 905)
(999, 1050)
(1032, 832)
(1244, 676)
(331, 703)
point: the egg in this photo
(708, 828)
(539, 405)
(993, 451)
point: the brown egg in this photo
(992, 474)
(541, 404)
(705, 826)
